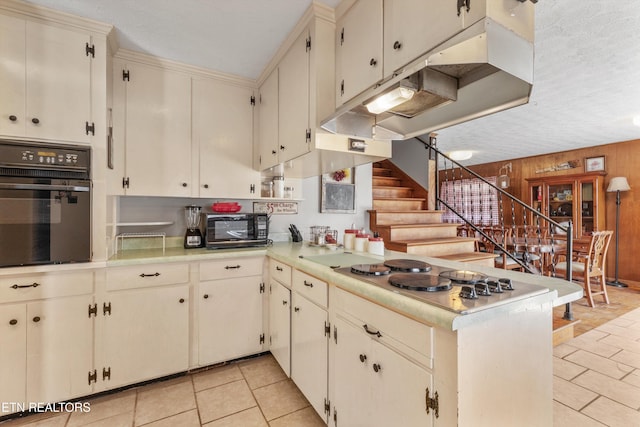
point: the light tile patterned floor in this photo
(597, 376)
(249, 393)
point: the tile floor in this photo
(250, 393)
(596, 383)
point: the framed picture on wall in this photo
(338, 192)
(593, 164)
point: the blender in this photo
(193, 237)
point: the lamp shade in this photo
(619, 183)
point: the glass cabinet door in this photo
(586, 210)
(561, 202)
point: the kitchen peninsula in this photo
(503, 351)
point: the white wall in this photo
(412, 157)
(153, 209)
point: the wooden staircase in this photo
(401, 217)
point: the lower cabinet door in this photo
(400, 387)
(280, 325)
(309, 351)
(59, 348)
(146, 334)
(352, 394)
(230, 319)
(13, 360)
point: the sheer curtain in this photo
(475, 200)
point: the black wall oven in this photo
(45, 204)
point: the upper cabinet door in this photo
(268, 121)
(158, 132)
(412, 27)
(293, 97)
(45, 81)
(358, 49)
(223, 134)
(12, 76)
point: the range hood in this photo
(482, 70)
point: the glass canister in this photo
(278, 187)
(266, 189)
(349, 239)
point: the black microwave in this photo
(235, 230)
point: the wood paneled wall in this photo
(621, 159)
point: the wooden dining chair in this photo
(501, 236)
(588, 266)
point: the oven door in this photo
(44, 221)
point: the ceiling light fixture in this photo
(460, 155)
(390, 99)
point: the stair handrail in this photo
(568, 229)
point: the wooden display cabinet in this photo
(577, 198)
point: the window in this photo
(473, 199)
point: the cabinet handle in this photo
(373, 62)
(33, 285)
(363, 357)
(13, 118)
(35, 120)
(156, 274)
(13, 322)
(397, 45)
(285, 302)
(181, 300)
(206, 186)
(296, 309)
(205, 296)
(377, 367)
(309, 284)
(282, 147)
(376, 333)
(274, 152)
(232, 267)
(36, 319)
(279, 269)
(184, 184)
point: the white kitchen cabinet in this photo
(280, 313)
(46, 336)
(41, 65)
(373, 384)
(59, 348)
(152, 130)
(376, 386)
(412, 27)
(358, 49)
(13, 358)
(305, 93)
(309, 351)
(293, 99)
(144, 317)
(230, 309)
(269, 147)
(223, 139)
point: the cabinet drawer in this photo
(45, 285)
(311, 287)
(233, 267)
(408, 336)
(143, 276)
(280, 272)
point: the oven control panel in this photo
(43, 155)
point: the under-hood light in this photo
(390, 99)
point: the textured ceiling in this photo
(587, 63)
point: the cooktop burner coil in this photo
(419, 282)
(370, 269)
(464, 276)
(408, 265)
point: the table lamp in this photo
(617, 185)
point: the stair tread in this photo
(434, 241)
(390, 187)
(400, 198)
(434, 211)
(467, 256)
(418, 225)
